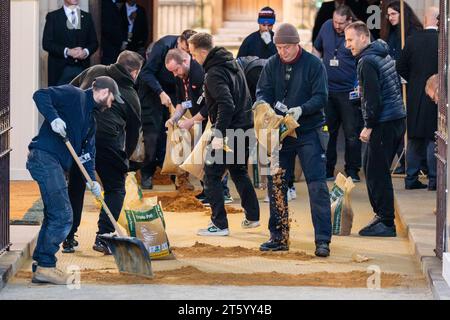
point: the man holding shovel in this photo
(69, 114)
(116, 138)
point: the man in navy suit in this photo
(70, 39)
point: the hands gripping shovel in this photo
(130, 254)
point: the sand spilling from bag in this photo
(192, 276)
(203, 250)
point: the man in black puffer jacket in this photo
(384, 123)
(229, 110)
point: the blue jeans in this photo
(49, 175)
(310, 147)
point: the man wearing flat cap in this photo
(295, 82)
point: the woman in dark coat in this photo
(391, 33)
(391, 30)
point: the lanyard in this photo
(186, 89)
(287, 78)
(336, 45)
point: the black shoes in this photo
(147, 183)
(415, 185)
(322, 249)
(377, 228)
(431, 186)
(69, 245)
(355, 177)
(273, 245)
(101, 246)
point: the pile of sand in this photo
(203, 250)
(193, 276)
(178, 201)
(158, 178)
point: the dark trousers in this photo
(290, 171)
(155, 150)
(420, 150)
(239, 174)
(69, 73)
(310, 147)
(381, 149)
(48, 173)
(341, 110)
(113, 181)
(226, 189)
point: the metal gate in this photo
(4, 125)
(442, 134)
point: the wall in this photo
(24, 81)
(28, 73)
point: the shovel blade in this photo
(130, 255)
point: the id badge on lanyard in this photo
(85, 158)
(334, 62)
(355, 94)
(187, 104)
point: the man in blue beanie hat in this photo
(260, 43)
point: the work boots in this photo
(51, 275)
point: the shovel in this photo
(130, 254)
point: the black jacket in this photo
(118, 127)
(226, 92)
(140, 29)
(253, 45)
(114, 32)
(195, 81)
(307, 87)
(419, 61)
(381, 98)
(252, 67)
(154, 79)
(57, 37)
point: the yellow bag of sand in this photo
(146, 222)
(133, 194)
(341, 209)
(270, 127)
(195, 162)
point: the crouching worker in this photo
(68, 113)
(295, 82)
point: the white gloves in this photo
(95, 189)
(296, 112)
(59, 127)
(217, 143)
(267, 38)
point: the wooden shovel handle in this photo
(89, 180)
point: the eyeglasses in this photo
(393, 14)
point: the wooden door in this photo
(247, 10)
